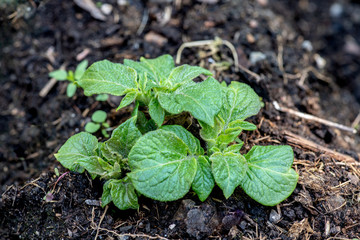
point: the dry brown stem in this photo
(300, 142)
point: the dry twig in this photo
(46, 89)
(215, 42)
(313, 118)
(143, 22)
(356, 122)
(101, 219)
(133, 235)
(298, 141)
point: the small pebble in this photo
(274, 216)
(253, 23)
(106, 8)
(263, 3)
(172, 226)
(336, 10)
(306, 45)
(156, 38)
(122, 2)
(320, 62)
(250, 38)
(92, 202)
(256, 57)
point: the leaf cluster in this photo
(163, 162)
(72, 77)
(98, 122)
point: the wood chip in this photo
(46, 89)
(89, 5)
(156, 38)
(82, 55)
(112, 41)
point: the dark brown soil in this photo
(326, 202)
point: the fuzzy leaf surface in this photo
(203, 100)
(160, 166)
(269, 178)
(186, 73)
(123, 138)
(107, 77)
(204, 180)
(192, 142)
(157, 113)
(128, 99)
(240, 102)
(79, 148)
(93, 166)
(228, 170)
(157, 69)
(123, 194)
(106, 195)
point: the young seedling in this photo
(102, 97)
(70, 76)
(163, 162)
(98, 122)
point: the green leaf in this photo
(145, 74)
(144, 84)
(229, 136)
(269, 178)
(209, 133)
(102, 97)
(241, 124)
(59, 75)
(105, 165)
(240, 102)
(204, 181)
(160, 166)
(79, 153)
(70, 76)
(235, 148)
(228, 170)
(124, 137)
(123, 194)
(157, 69)
(70, 90)
(111, 155)
(160, 67)
(93, 166)
(78, 148)
(203, 100)
(106, 196)
(91, 127)
(157, 113)
(104, 133)
(186, 73)
(107, 77)
(248, 126)
(192, 142)
(99, 116)
(128, 99)
(80, 69)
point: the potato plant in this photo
(146, 157)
